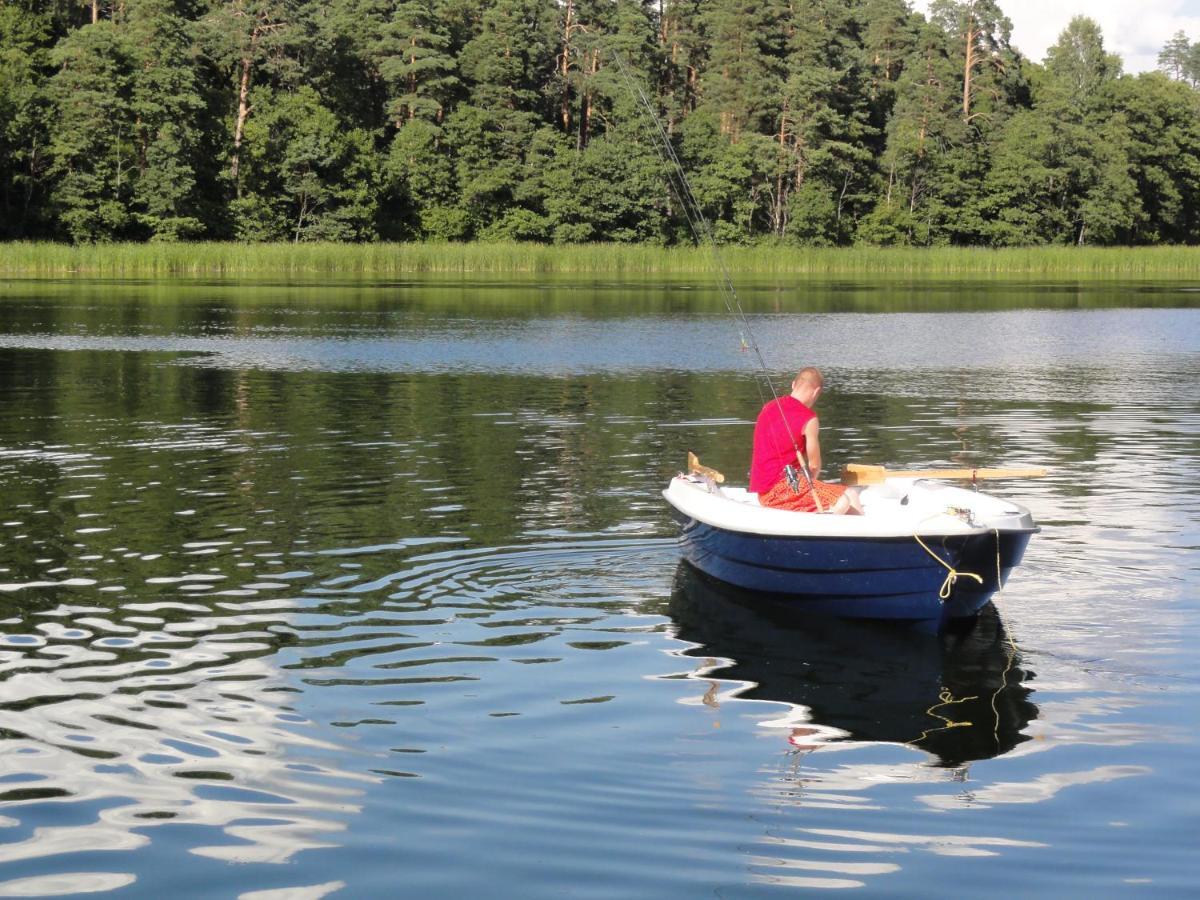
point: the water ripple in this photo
(340, 602)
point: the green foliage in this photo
(1061, 172)
(488, 147)
(614, 189)
(420, 186)
(1079, 70)
(925, 131)
(24, 64)
(311, 179)
(165, 103)
(512, 55)
(1163, 118)
(812, 122)
(888, 33)
(92, 143)
(720, 172)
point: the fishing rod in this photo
(702, 233)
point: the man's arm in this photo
(813, 445)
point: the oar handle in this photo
(859, 473)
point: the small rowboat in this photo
(924, 551)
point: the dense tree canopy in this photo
(821, 122)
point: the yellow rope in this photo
(999, 583)
(1012, 652)
(945, 698)
(952, 574)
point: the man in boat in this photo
(787, 453)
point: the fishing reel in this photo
(793, 478)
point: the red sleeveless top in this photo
(773, 440)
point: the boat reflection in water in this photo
(959, 696)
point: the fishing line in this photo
(702, 234)
(697, 222)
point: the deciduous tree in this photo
(93, 141)
(24, 123)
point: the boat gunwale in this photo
(803, 529)
(872, 538)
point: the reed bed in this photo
(388, 260)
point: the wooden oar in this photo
(858, 473)
(694, 467)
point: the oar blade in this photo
(695, 468)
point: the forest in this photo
(799, 122)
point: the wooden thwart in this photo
(694, 468)
(858, 473)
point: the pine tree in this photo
(743, 72)
(683, 51)
(413, 61)
(340, 59)
(992, 88)
(888, 33)
(1173, 58)
(249, 40)
(980, 34)
(166, 105)
(822, 123)
(926, 126)
(512, 56)
(568, 67)
(594, 92)
(607, 181)
(414, 56)
(503, 66)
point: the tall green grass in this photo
(383, 260)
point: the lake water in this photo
(367, 589)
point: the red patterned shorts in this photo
(782, 497)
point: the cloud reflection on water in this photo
(194, 732)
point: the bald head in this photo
(806, 386)
(810, 376)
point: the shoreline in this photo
(394, 259)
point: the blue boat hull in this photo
(859, 577)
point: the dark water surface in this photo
(368, 590)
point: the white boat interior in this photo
(896, 507)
